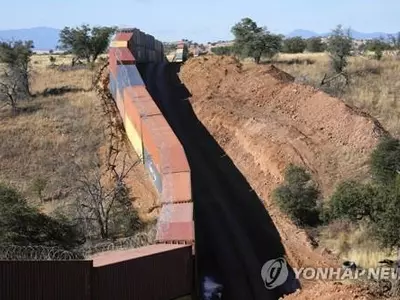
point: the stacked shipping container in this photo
(151, 136)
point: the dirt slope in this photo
(264, 121)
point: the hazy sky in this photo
(205, 19)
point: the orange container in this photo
(124, 56)
(138, 108)
(178, 212)
(112, 62)
(156, 137)
(178, 185)
(137, 91)
(162, 144)
(175, 232)
(123, 36)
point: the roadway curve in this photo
(234, 234)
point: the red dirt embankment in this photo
(264, 121)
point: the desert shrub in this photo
(385, 160)
(353, 201)
(298, 196)
(385, 226)
(21, 224)
(294, 45)
(315, 45)
(339, 47)
(223, 50)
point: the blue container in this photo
(128, 75)
(113, 86)
(153, 172)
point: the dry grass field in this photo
(52, 131)
(58, 137)
(374, 85)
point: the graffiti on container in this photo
(154, 174)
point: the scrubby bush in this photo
(223, 50)
(353, 201)
(385, 160)
(294, 45)
(340, 45)
(298, 196)
(21, 224)
(315, 45)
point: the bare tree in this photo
(104, 204)
(14, 76)
(9, 90)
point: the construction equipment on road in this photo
(182, 52)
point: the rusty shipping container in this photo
(154, 174)
(139, 52)
(176, 223)
(178, 185)
(128, 75)
(161, 272)
(150, 41)
(45, 280)
(162, 144)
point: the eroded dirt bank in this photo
(264, 121)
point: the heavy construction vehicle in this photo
(182, 52)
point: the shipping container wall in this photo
(113, 86)
(139, 52)
(178, 185)
(153, 171)
(120, 104)
(134, 137)
(45, 280)
(163, 276)
(128, 75)
(150, 41)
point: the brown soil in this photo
(264, 121)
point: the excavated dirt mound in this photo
(264, 121)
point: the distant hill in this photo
(44, 38)
(356, 34)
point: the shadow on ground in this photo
(58, 91)
(235, 236)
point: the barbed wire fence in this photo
(23, 253)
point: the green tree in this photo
(294, 45)
(14, 74)
(298, 196)
(385, 160)
(340, 44)
(224, 50)
(386, 223)
(253, 41)
(86, 42)
(315, 45)
(377, 46)
(21, 224)
(353, 201)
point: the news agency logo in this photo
(274, 273)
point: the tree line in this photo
(84, 43)
(251, 40)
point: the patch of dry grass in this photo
(51, 134)
(352, 242)
(374, 85)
